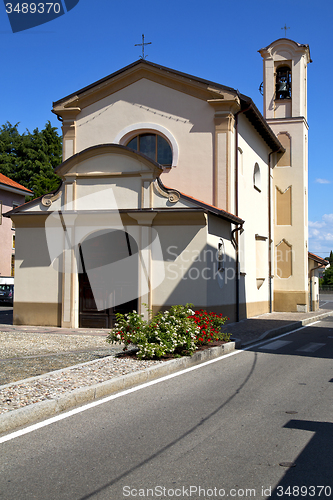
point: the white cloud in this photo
(328, 218)
(317, 224)
(323, 181)
(321, 235)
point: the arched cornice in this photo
(285, 44)
(106, 149)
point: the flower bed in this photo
(177, 332)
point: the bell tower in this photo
(285, 109)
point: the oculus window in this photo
(154, 146)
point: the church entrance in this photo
(108, 279)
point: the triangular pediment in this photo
(182, 82)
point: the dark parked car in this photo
(6, 294)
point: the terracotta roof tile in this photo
(9, 182)
(318, 259)
(218, 210)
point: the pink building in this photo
(12, 195)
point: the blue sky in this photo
(217, 41)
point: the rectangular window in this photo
(13, 242)
(0, 212)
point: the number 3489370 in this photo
(33, 8)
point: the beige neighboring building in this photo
(12, 194)
(317, 266)
(175, 190)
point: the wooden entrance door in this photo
(105, 290)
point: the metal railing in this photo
(325, 288)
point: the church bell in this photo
(282, 85)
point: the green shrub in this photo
(177, 331)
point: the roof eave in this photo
(143, 62)
(13, 189)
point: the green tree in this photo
(330, 258)
(10, 140)
(30, 158)
(328, 273)
(328, 277)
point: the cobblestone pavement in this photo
(36, 367)
(24, 354)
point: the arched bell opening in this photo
(283, 83)
(108, 278)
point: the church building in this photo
(174, 190)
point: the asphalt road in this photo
(249, 425)
(326, 301)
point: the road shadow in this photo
(311, 342)
(310, 475)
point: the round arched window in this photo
(154, 146)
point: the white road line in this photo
(81, 409)
(311, 347)
(277, 344)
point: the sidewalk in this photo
(265, 326)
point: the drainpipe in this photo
(235, 243)
(269, 235)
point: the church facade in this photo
(175, 190)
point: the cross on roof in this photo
(143, 46)
(285, 28)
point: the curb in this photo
(46, 409)
(286, 328)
